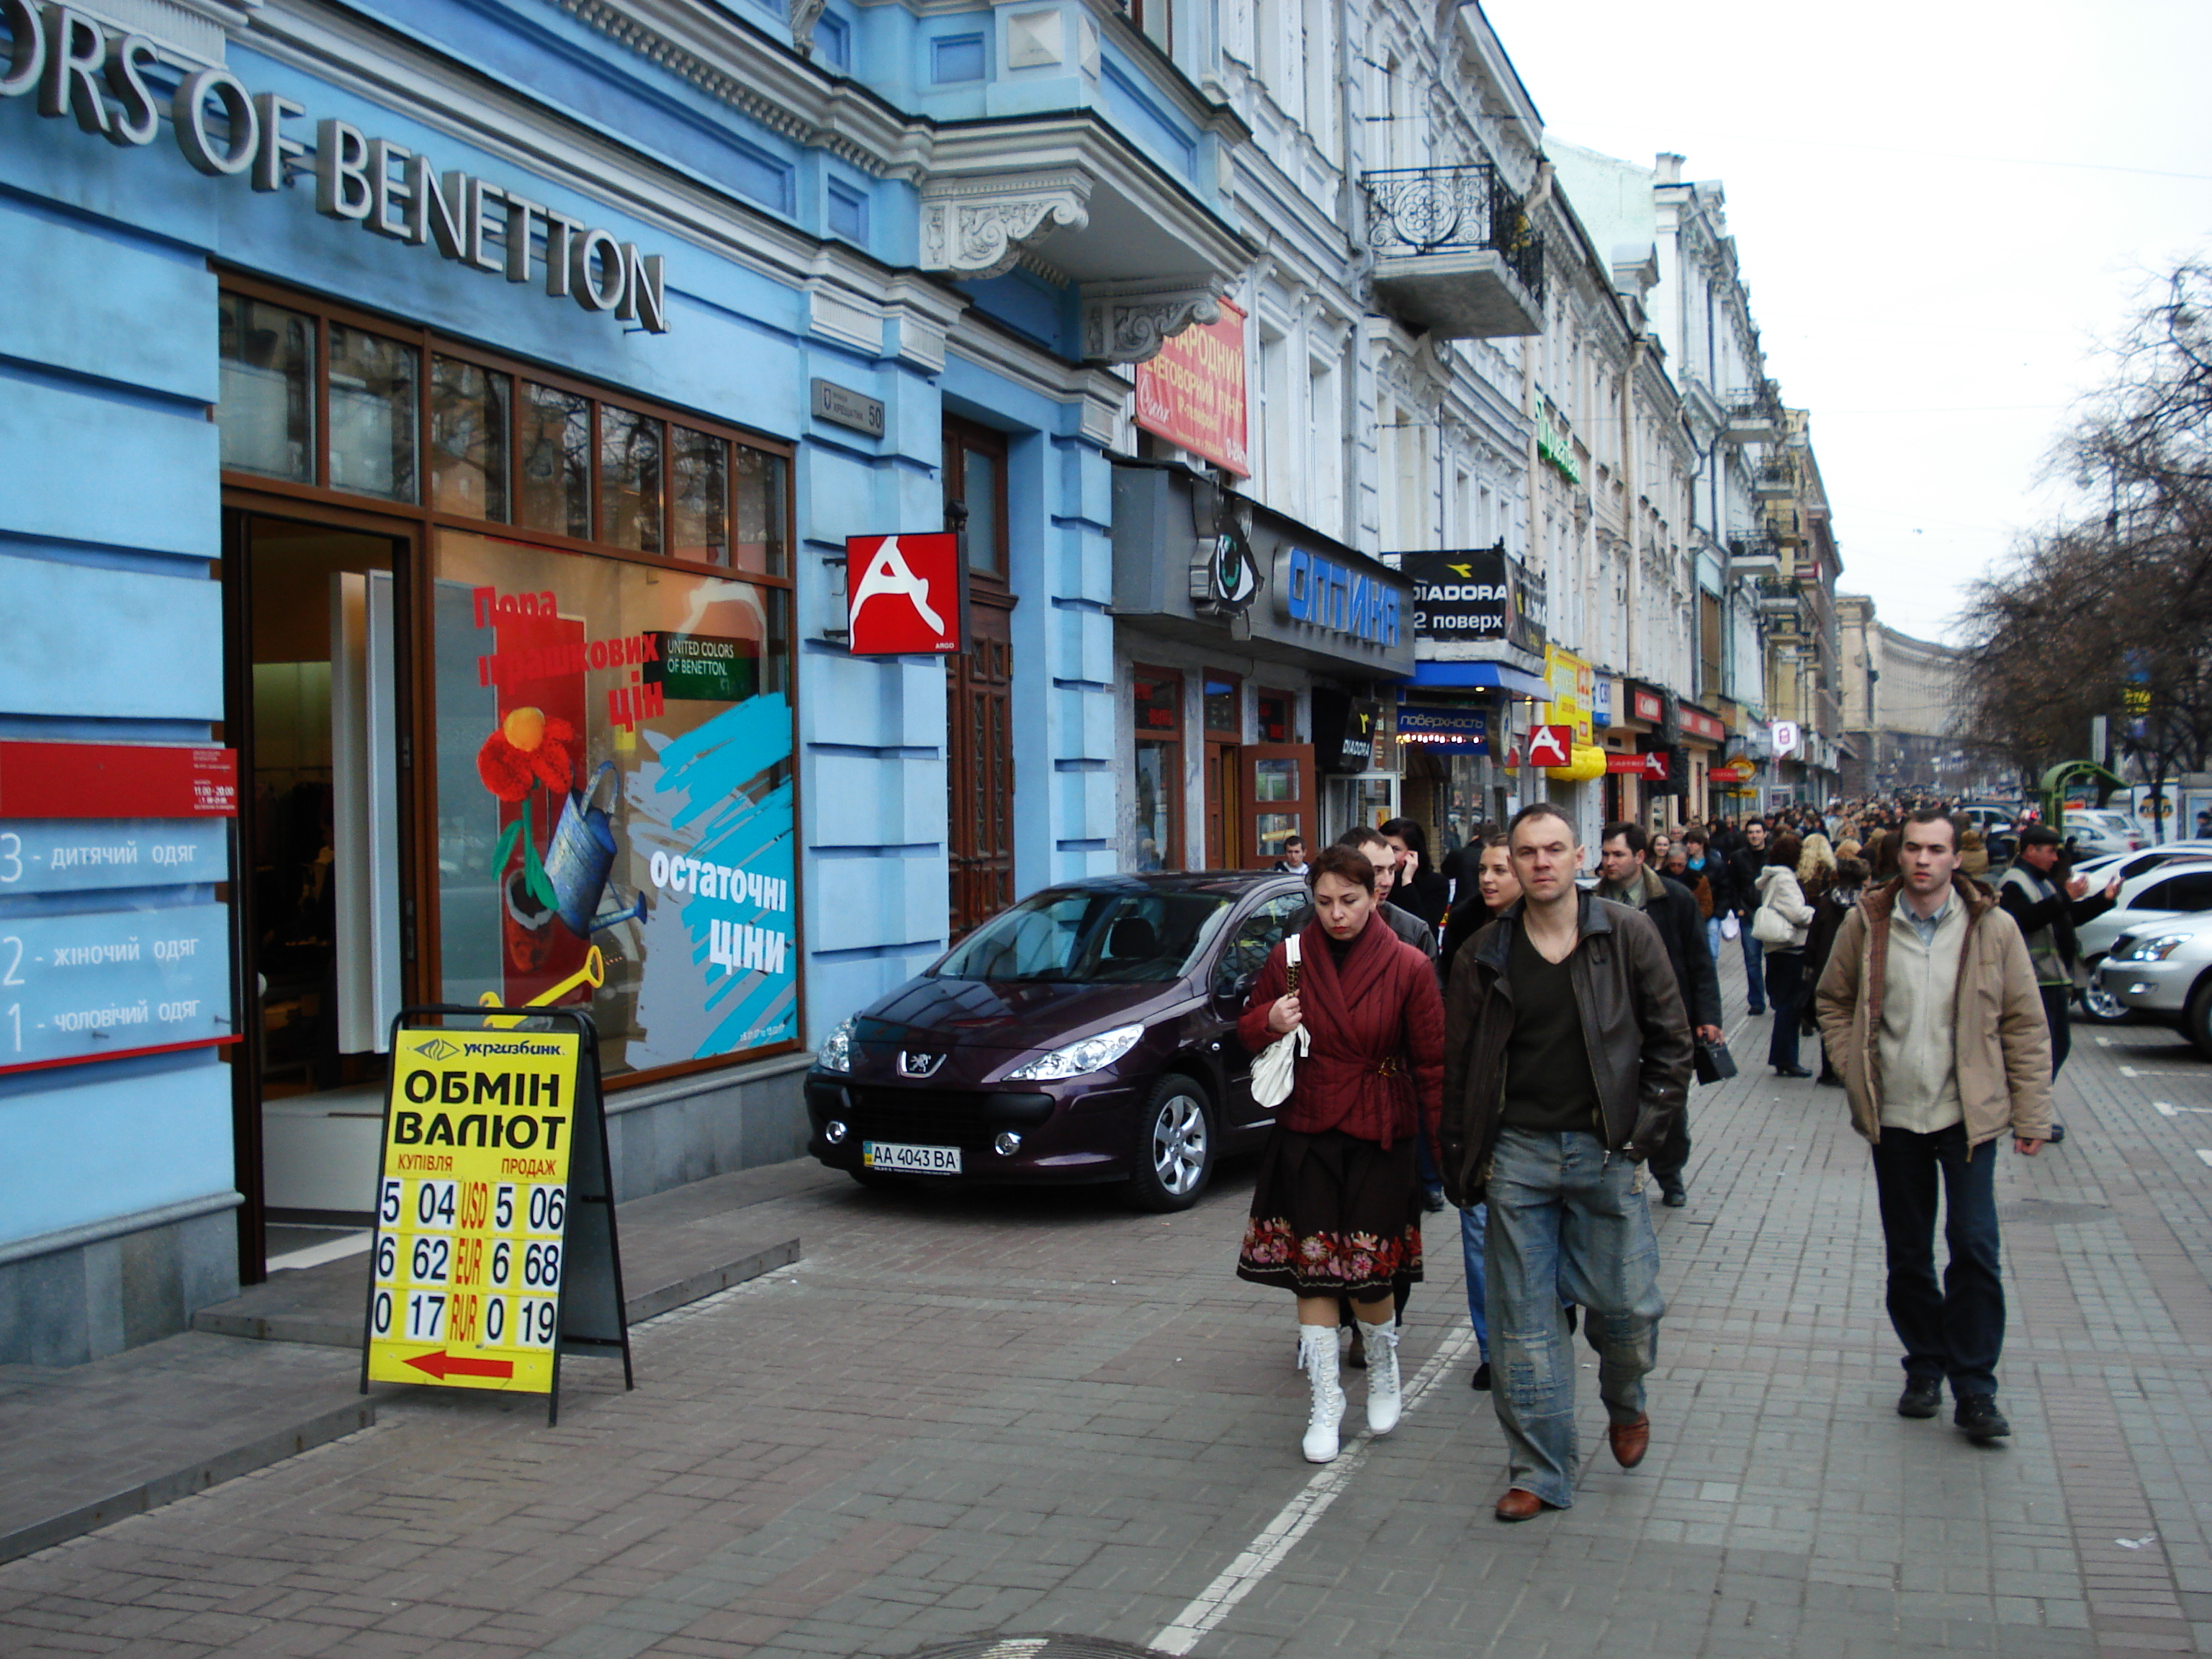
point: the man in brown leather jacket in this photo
(1566, 1060)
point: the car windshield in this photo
(1087, 938)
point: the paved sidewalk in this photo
(965, 1415)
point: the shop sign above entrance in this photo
(1479, 594)
(74, 67)
(905, 594)
(1313, 589)
(1444, 731)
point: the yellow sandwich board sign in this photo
(476, 1209)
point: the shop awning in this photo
(1478, 677)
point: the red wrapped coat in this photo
(1377, 1023)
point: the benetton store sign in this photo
(77, 67)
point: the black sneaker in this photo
(1977, 1416)
(1481, 1381)
(1922, 1397)
(1674, 1197)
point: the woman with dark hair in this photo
(1418, 889)
(1334, 1212)
(1835, 901)
(1783, 899)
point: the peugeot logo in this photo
(913, 1065)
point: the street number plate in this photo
(909, 1160)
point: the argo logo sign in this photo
(905, 594)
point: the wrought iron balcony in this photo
(1780, 597)
(1454, 253)
(1754, 415)
(1754, 555)
(1777, 481)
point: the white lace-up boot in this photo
(1383, 1398)
(1317, 1358)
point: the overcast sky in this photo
(1942, 210)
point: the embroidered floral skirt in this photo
(1333, 1214)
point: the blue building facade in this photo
(451, 417)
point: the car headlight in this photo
(2158, 949)
(1092, 1054)
(836, 1051)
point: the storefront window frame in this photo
(418, 522)
(1171, 739)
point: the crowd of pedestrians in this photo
(1513, 1035)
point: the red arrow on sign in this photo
(442, 1365)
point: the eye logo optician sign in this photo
(77, 67)
(905, 594)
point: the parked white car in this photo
(2179, 889)
(2162, 970)
(2096, 831)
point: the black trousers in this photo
(1672, 1156)
(2058, 1014)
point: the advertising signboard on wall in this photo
(1476, 594)
(1571, 682)
(1192, 394)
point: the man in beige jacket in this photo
(1930, 1010)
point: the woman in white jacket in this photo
(1782, 906)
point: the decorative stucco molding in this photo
(976, 228)
(1130, 327)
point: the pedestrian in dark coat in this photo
(1334, 1210)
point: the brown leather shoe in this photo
(1630, 1441)
(1519, 1505)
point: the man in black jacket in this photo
(1566, 1058)
(1623, 877)
(1744, 864)
(2048, 914)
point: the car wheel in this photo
(2102, 1007)
(2197, 1019)
(1174, 1146)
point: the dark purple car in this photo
(1086, 1034)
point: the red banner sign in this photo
(1653, 767)
(905, 594)
(1647, 706)
(1700, 724)
(1192, 394)
(117, 781)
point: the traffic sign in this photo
(1551, 745)
(494, 1250)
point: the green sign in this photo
(702, 668)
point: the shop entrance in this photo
(316, 708)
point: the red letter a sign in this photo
(1551, 745)
(904, 594)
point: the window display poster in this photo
(614, 767)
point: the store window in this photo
(1156, 800)
(592, 617)
(1275, 716)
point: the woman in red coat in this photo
(1335, 1212)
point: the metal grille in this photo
(1431, 209)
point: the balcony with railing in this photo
(1754, 415)
(1776, 480)
(1754, 555)
(1781, 598)
(1454, 253)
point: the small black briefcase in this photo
(1714, 1062)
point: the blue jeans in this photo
(1713, 938)
(1470, 1226)
(1958, 1330)
(1754, 968)
(1567, 1220)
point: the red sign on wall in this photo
(1698, 723)
(1647, 706)
(117, 781)
(1653, 767)
(1551, 745)
(905, 594)
(1192, 394)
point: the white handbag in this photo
(1771, 928)
(1273, 1071)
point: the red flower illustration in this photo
(530, 747)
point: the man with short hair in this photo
(1743, 867)
(1293, 860)
(1930, 1010)
(1566, 1058)
(1623, 877)
(2047, 916)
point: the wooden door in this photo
(979, 751)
